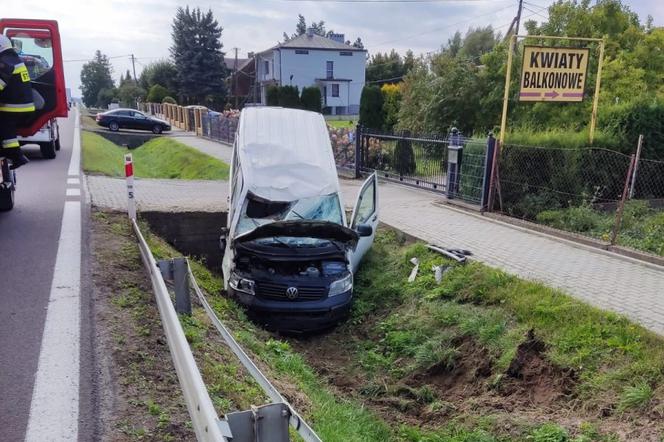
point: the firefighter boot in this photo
(14, 155)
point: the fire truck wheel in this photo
(47, 150)
(6, 199)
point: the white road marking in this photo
(54, 408)
(73, 192)
(73, 181)
(75, 161)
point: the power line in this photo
(385, 1)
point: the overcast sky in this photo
(142, 27)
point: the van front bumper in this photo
(296, 316)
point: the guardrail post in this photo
(177, 270)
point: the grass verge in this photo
(483, 356)
(642, 226)
(161, 157)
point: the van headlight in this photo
(341, 285)
(241, 284)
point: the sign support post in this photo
(506, 95)
(598, 80)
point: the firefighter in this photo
(16, 101)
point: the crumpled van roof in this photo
(285, 154)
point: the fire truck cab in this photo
(38, 44)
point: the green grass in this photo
(563, 139)
(642, 226)
(162, 157)
(342, 124)
(399, 328)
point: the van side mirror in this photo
(364, 230)
(222, 238)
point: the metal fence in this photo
(444, 163)
(219, 127)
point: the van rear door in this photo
(365, 212)
(37, 42)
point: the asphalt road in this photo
(30, 237)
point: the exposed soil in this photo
(139, 391)
(531, 391)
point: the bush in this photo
(157, 93)
(628, 121)
(311, 99)
(106, 96)
(272, 95)
(371, 108)
(391, 103)
(404, 157)
(289, 96)
(169, 100)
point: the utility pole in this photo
(235, 77)
(133, 66)
(518, 17)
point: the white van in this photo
(289, 251)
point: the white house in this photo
(311, 60)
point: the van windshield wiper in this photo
(273, 237)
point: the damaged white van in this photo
(289, 252)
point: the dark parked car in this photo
(117, 119)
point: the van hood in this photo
(302, 229)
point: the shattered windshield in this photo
(257, 212)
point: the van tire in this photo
(48, 150)
(57, 144)
(6, 199)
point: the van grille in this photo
(277, 292)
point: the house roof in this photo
(316, 42)
(230, 63)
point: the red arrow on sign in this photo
(552, 94)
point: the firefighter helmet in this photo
(5, 43)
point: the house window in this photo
(266, 64)
(301, 51)
(335, 90)
(330, 69)
(346, 53)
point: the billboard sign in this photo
(553, 74)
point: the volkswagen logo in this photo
(291, 292)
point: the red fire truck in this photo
(38, 44)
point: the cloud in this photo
(143, 27)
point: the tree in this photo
(129, 93)
(358, 43)
(272, 95)
(289, 96)
(160, 72)
(391, 103)
(157, 94)
(198, 59)
(105, 97)
(388, 68)
(404, 156)
(311, 99)
(95, 76)
(371, 107)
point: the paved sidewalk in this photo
(600, 278)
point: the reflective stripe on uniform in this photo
(2, 84)
(23, 107)
(19, 68)
(8, 144)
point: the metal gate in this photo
(452, 165)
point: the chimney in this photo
(339, 38)
(310, 32)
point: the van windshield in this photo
(257, 212)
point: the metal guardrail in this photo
(303, 429)
(206, 423)
(261, 423)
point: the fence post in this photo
(488, 170)
(492, 180)
(358, 151)
(636, 166)
(621, 206)
(129, 177)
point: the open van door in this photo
(37, 43)
(365, 214)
